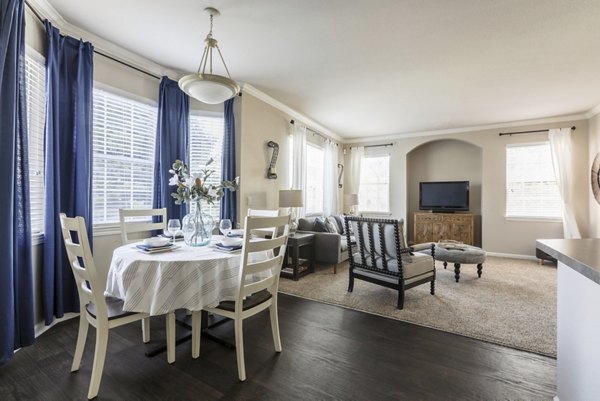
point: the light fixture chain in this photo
(224, 65)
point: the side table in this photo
(294, 266)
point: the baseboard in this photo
(41, 328)
(511, 255)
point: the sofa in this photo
(330, 247)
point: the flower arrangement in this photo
(194, 187)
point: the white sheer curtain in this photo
(356, 157)
(560, 146)
(299, 161)
(330, 190)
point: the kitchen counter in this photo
(578, 321)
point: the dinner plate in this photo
(156, 242)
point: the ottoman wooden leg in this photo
(445, 264)
(457, 271)
(479, 269)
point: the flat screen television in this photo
(444, 196)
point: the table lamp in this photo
(351, 200)
(291, 198)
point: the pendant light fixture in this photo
(208, 87)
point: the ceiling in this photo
(378, 68)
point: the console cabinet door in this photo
(433, 227)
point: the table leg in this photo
(445, 264)
(295, 259)
(479, 269)
(457, 271)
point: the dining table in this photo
(186, 277)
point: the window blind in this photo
(35, 78)
(315, 172)
(531, 189)
(124, 136)
(206, 141)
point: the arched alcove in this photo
(444, 160)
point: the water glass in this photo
(173, 226)
(225, 226)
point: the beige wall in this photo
(594, 148)
(500, 235)
(444, 160)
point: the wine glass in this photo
(173, 226)
(225, 226)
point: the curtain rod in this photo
(529, 132)
(373, 146)
(318, 133)
(41, 20)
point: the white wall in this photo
(500, 235)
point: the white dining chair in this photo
(103, 313)
(140, 222)
(263, 212)
(257, 285)
(132, 221)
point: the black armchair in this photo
(382, 257)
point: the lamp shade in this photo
(291, 198)
(351, 199)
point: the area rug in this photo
(512, 304)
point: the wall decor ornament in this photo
(341, 169)
(596, 177)
(272, 171)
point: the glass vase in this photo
(197, 227)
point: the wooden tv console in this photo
(433, 227)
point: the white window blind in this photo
(206, 141)
(531, 189)
(35, 76)
(374, 191)
(315, 161)
(123, 142)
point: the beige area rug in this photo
(512, 304)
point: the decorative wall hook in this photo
(341, 171)
(272, 171)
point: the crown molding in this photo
(593, 111)
(251, 90)
(47, 11)
(486, 127)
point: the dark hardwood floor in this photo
(329, 353)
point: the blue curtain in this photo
(172, 138)
(228, 170)
(16, 288)
(68, 165)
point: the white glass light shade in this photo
(209, 88)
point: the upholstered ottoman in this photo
(465, 254)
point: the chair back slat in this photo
(259, 267)
(129, 226)
(258, 276)
(256, 286)
(89, 287)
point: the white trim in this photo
(591, 113)
(40, 327)
(34, 54)
(251, 90)
(206, 113)
(523, 144)
(450, 131)
(511, 256)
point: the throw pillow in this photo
(331, 225)
(340, 223)
(320, 226)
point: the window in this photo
(35, 76)
(206, 141)
(374, 191)
(315, 160)
(123, 151)
(531, 189)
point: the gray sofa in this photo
(329, 247)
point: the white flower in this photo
(212, 192)
(174, 180)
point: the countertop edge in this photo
(575, 264)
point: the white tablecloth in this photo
(188, 277)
